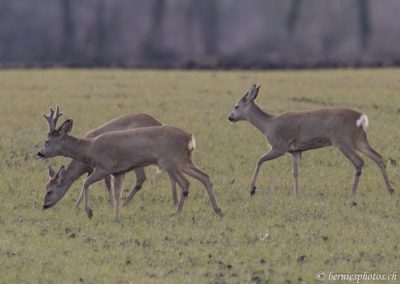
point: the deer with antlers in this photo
(117, 152)
(297, 131)
(61, 181)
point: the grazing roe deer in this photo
(117, 152)
(297, 131)
(61, 181)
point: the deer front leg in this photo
(80, 197)
(95, 176)
(296, 157)
(117, 194)
(107, 181)
(79, 200)
(271, 155)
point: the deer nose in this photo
(230, 118)
(39, 155)
(46, 206)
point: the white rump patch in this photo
(192, 144)
(362, 122)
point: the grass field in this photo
(265, 238)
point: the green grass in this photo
(320, 231)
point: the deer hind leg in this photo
(117, 194)
(296, 157)
(198, 174)
(107, 181)
(358, 163)
(173, 189)
(140, 179)
(365, 148)
(271, 155)
(184, 185)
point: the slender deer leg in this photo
(79, 200)
(198, 174)
(140, 179)
(107, 181)
(80, 197)
(377, 158)
(173, 189)
(296, 157)
(184, 185)
(96, 175)
(358, 163)
(271, 155)
(117, 194)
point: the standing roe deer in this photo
(117, 152)
(297, 131)
(61, 181)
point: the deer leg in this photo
(184, 185)
(296, 157)
(377, 158)
(173, 189)
(95, 176)
(107, 181)
(140, 179)
(79, 200)
(198, 174)
(358, 163)
(271, 155)
(80, 197)
(117, 194)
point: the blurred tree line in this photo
(199, 33)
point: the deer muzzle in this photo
(39, 155)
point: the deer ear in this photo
(252, 93)
(61, 174)
(52, 173)
(66, 127)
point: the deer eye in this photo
(46, 143)
(236, 107)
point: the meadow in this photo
(265, 238)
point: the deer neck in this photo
(77, 149)
(260, 119)
(75, 170)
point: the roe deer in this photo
(61, 181)
(117, 152)
(297, 131)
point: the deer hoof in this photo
(89, 213)
(253, 190)
(218, 211)
(391, 191)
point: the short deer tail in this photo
(363, 122)
(192, 143)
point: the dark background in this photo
(199, 33)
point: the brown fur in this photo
(117, 152)
(61, 181)
(298, 131)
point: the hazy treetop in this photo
(207, 33)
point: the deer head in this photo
(54, 188)
(55, 137)
(242, 107)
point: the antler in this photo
(52, 118)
